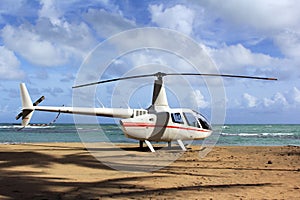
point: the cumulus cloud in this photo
(16, 8)
(107, 24)
(237, 57)
(50, 11)
(259, 14)
(50, 39)
(32, 47)
(53, 91)
(9, 65)
(46, 44)
(293, 97)
(55, 33)
(296, 92)
(258, 20)
(200, 100)
(277, 100)
(178, 17)
(142, 58)
(289, 43)
(251, 101)
(192, 99)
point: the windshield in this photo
(191, 120)
(204, 123)
(195, 119)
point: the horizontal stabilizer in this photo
(19, 115)
(37, 102)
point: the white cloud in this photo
(251, 101)
(50, 11)
(277, 21)
(107, 24)
(46, 44)
(32, 47)
(9, 65)
(200, 100)
(267, 15)
(17, 8)
(277, 100)
(178, 17)
(141, 58)
(296, 94)
(51, 40)
(289, 43)
(53, 91)
(287, 99)
(237, 57)
(8, 6)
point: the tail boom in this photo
(28, 107)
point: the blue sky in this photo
(43, 44)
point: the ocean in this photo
(232, 135)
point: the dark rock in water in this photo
(269, 162)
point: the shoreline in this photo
(159, 144)
(69, 171)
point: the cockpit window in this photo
(191, 120)
(204, 124)
(176, 118)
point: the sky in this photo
(44, 43)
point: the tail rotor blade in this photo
(37, 102)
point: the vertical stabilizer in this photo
(27, 106)
(26, 100)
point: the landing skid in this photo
(149, 146)
(181, 145)
(148, 143)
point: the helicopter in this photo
(157, 123)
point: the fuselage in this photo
(167, 125)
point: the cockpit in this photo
(192, 118)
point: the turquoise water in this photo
(260, 135)
(245, 135)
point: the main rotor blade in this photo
(222, 75)
(161, 74)
(112, 80)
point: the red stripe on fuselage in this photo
(135, 124)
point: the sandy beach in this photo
(69, 171)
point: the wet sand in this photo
(69, 171)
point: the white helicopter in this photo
(157, 123)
